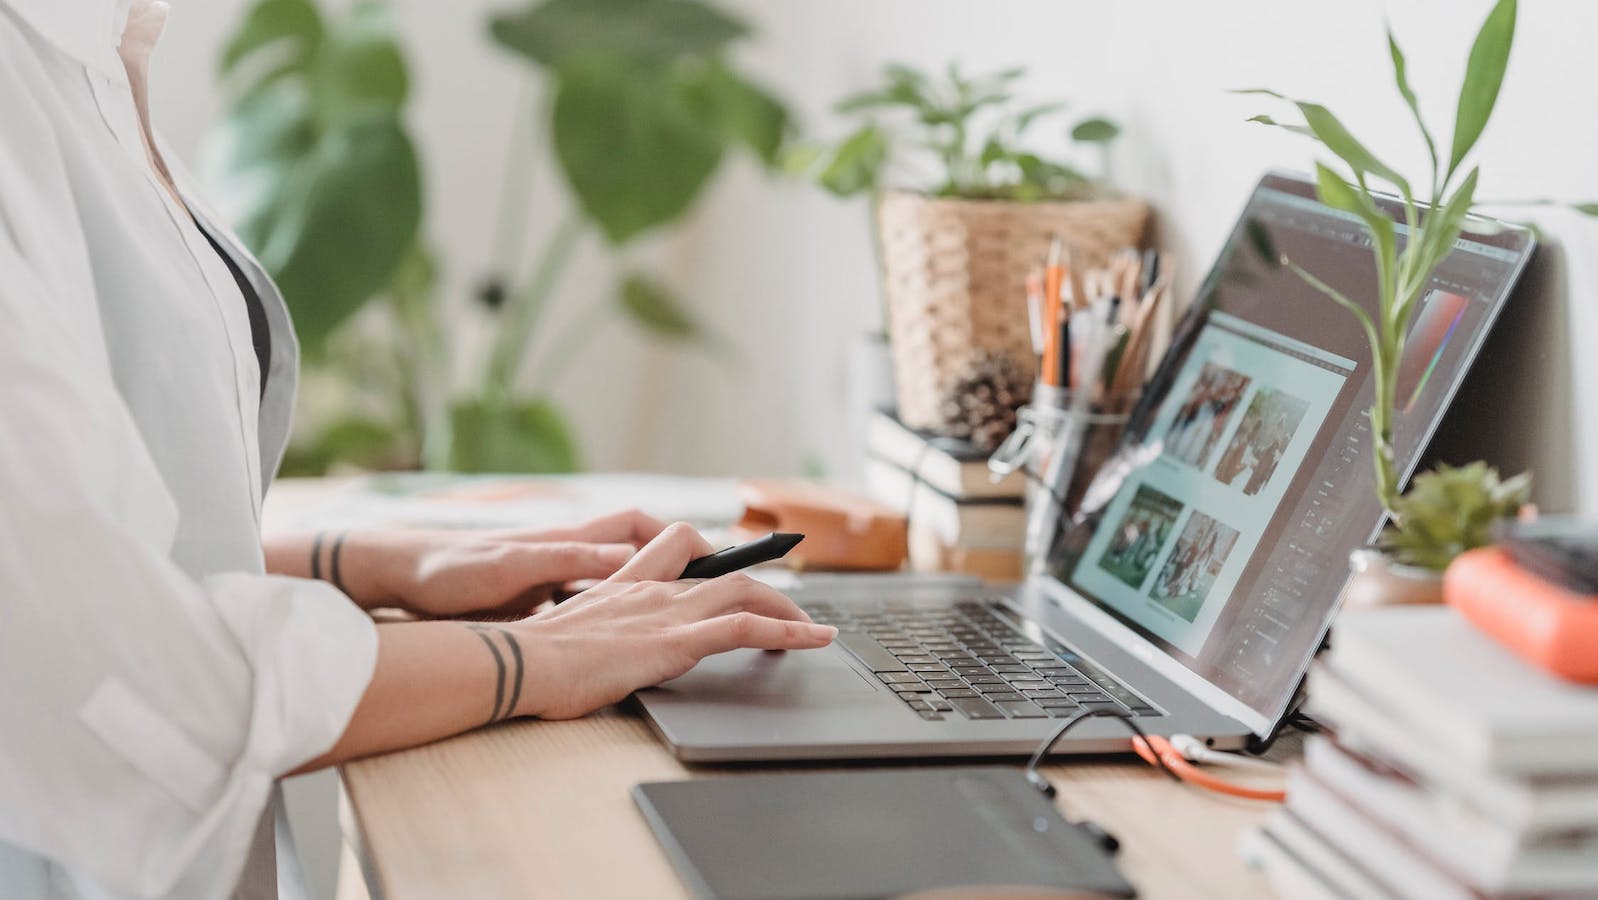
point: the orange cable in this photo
(1181, 768)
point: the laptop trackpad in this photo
(749, 673)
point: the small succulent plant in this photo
(1450, 510)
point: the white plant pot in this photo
(1379, 581)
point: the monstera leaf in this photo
(312, 163)
(645, 103)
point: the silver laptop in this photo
(1202, 575)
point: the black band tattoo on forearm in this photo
(332, 562)
(508, 677)
(316, 555)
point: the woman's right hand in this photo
(641, 627)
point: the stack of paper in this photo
(960, 519)
(1457, 770)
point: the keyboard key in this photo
(1011, 669)
(959, 693)
(946, 683)
(1055, 703)
(917, 658)
(1081, 696)
(917, 688)
(868, 652)
(985, 679)
(975, 708)
(1022, 710)
(898, 678)
(940, 705)
(1027, 680)
(1006, 697)
(919, 705)
(926, 667)
(1036, 693)
(998, 688)
(931, 715)
(1103, 706)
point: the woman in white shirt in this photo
(161, 669)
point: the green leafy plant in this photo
(1451, 510)
(971, 129)
(314, 165)
(1435, 211)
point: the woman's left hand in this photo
(454, 574)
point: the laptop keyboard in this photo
(962, 660)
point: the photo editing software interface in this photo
(1256, 428)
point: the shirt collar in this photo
(86, 30)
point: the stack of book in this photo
(960, 519)
(1456, 770)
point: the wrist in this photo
(359, 563)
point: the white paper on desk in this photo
(441, 500)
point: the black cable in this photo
(1036, 778)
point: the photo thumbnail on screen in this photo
(1204, 413)
(1190, 571)
(1268, 426)
(1141, 533)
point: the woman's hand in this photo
(449, 574)
(641, 627)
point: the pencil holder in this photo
(954, 272)
(1062, 439)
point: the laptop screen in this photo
(1221, 529)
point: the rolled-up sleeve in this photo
(144, 713)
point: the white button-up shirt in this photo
(154, 682)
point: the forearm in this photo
(434, 680)
(351, 561)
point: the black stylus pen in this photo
(773, 546)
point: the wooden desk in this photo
(544, 809)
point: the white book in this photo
(947, 465)
(1472, 846)
(1301, 866)
(1544, 803)
(974, 524)
(1383, 857)
(1457, 688)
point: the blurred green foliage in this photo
(972, 128)
(314, 166)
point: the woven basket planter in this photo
(955, 274)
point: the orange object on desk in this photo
(842, 530)
(1541, 621)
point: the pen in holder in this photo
(1061, 439)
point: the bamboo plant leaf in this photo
(631, 144)
(1329, 130)
(1484, 75)
(1263, 119)
(560, 31)
(1401, 76)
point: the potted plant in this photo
(963, 208)
(316, 168)
(1444, 513)
(1450, 510)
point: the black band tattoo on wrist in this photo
(332, 562)
(508, 677)
(316, 555)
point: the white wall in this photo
(787, 272)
